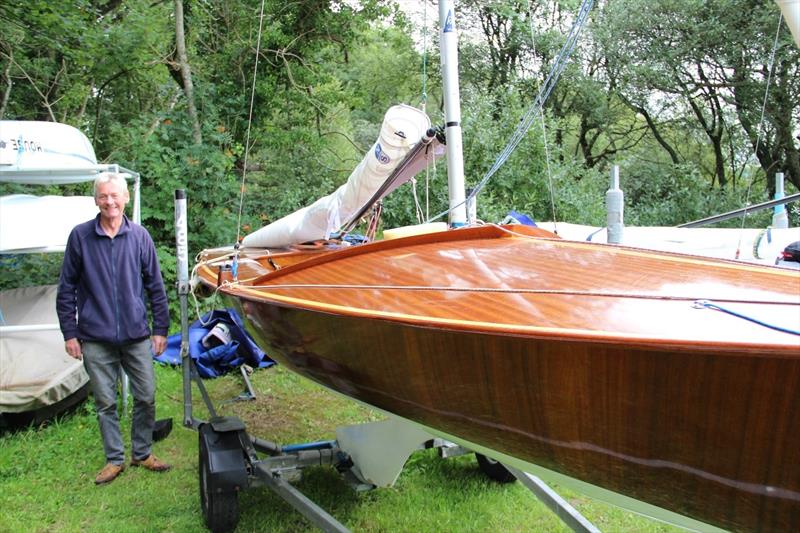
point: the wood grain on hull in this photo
(590, 360)
(714, 436)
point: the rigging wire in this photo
(425, 107)
(530, 115)
(249, 124)
(544, 133)
(770, 68)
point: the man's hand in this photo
(159, 344)
(73, 348)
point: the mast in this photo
(448, 42)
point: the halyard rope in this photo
(249, 123)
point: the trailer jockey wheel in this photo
(494, 470)
(220, 507)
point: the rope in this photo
(528, 118)
(706, 304)
(424, 102)
(757, 243)
(417, 207)
(506, 290)
(249, 123)
(544, 134)
(770, 67)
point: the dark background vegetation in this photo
(669, 90)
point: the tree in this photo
(186, 73)
(704, 65)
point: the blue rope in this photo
(710, 305)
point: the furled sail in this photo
(791, 14)
(403, 127)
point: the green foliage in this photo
(327, 72)
(29, 270)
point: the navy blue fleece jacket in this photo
(105, 283)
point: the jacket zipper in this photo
(114, 289)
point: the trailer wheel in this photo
(494, 470)
(220, 507)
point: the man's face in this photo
(111, 199)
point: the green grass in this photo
(47, 475)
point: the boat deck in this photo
(495, 280)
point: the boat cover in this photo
(35, 371)
(38, 216)
(213, 361)
(754, 245)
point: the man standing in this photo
(109, 265)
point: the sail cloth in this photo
(791, 14)
(403, 127)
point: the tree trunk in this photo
(7, 90)
(186, 74)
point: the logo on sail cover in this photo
(448, 22)
(380, 155)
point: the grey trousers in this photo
(103, 363)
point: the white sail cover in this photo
(41, 223)
(45, 153)
(35, 371)
(403, 127)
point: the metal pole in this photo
(452, 113)
(182, 249)
(780, 219)
(137, 218)
(740, 212)
(615, 205)
(566, 512)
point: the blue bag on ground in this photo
(218, 343)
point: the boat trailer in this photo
(368, 455)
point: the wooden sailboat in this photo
(630, 378)
(651, 377)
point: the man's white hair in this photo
(117, 178)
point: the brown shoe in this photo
(152, 463)
(108, 474)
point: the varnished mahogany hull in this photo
(713, 436)
(704, 426)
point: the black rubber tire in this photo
(494, 470)
(220, 508)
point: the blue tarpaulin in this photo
(216, 361)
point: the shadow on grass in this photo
(11, 423)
